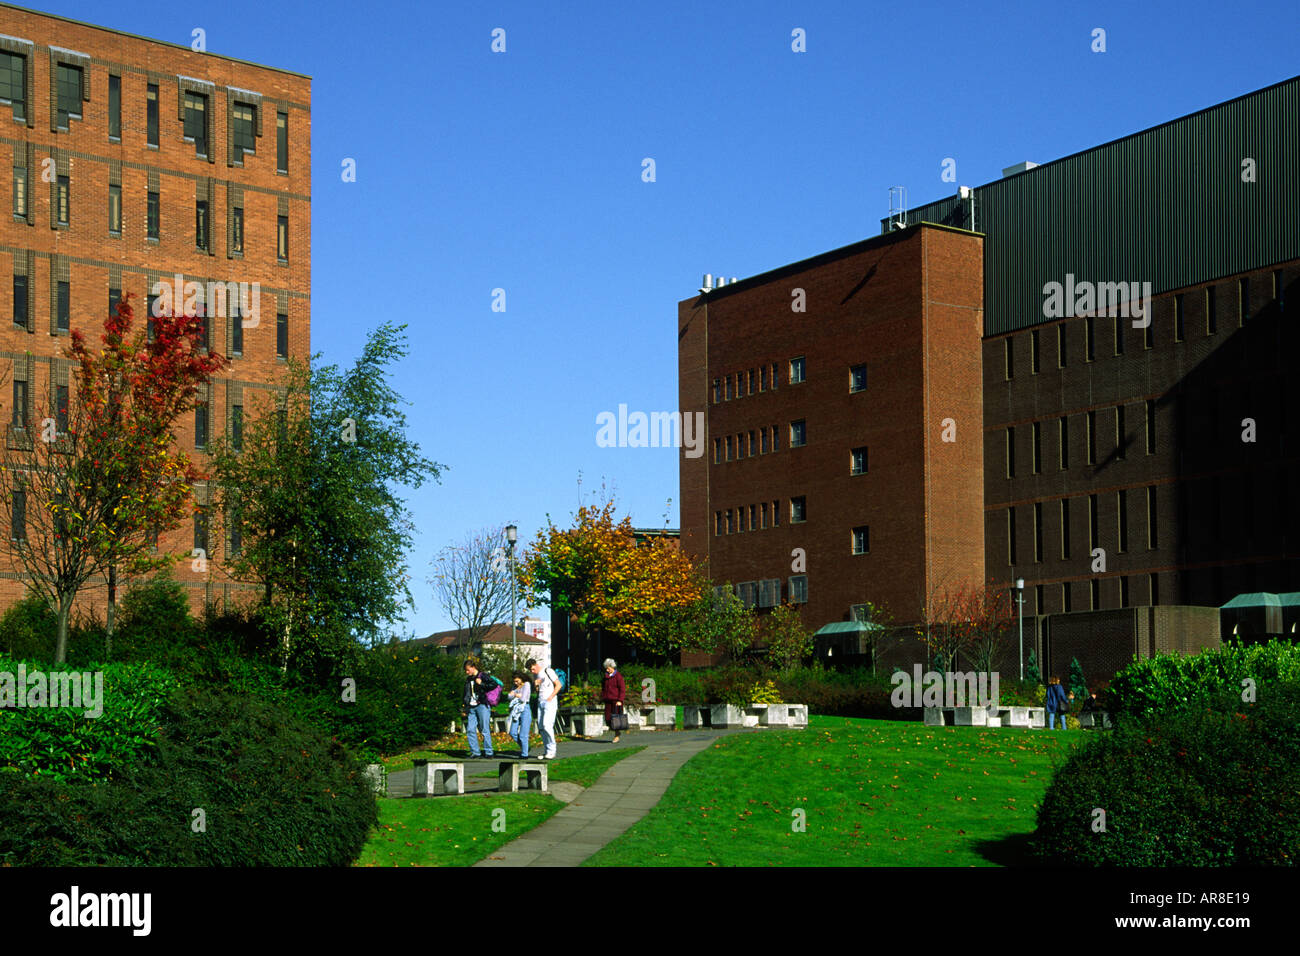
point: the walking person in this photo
(548, 685)
(613, 691)
(476, 710)
(1058, 703)
(521, 714)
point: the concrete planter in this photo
(970, 716)
(658, 717)
(587, 724)
(696, 715)
(798, 714)
(728, 715)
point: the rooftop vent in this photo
(1018, 168)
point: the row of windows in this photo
(1094, 594)
(62, 315)
(1063, 508)
(202, 219)
(767, 592)
(70, 83)
(1090, 439)
(1119, 325)
(742, 384)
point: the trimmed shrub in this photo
(28, 630)
(273, 791)
(1212, 784)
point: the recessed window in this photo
(1011, 451)
(753, 444)
(151, 216)
(151, 115)
(1064, 432)
(796, 371)
(776, 514)
(63, 188)
(798, 509)
(861, 540)
(858, 461)
(730, 455)
(799, 589)
(1092, 437)
(1038, 531)
(201, 426)
(237, 427)
(20, 301)
(236, 327)
(201, 224)
(774, 377)
(282, 238)
(1093, 523)
(114, 106)
(776, 445)
(858, 378)
(61, 408)
(18, 516)
(762, 438)
(244, 117)
(69, 93)
(282, 142)
(201, 531)
(1009, 357)
(64, 306)
(1011, 536)
(749, 381)
(717, 391)
(730, 521)
(237, 229)
(1094, 590)
(115, 210)
(1037, 436)
(1066, 604)
(798, 434)
(196, 122)
(236, 531)
(1065, 529)
(13, 83)
(114, 297)
(20, 192)
(1152, 535)
(1151, 427)
(1121, 518)
(762, 378)
(151, 312)
(717, 523)
(1120, 431)
(763, 512)
(282, 339)
(1118, 331)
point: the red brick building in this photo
(133, 161)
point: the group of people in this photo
(1058, 703)
(534, 698)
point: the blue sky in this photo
(522, 171)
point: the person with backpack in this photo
(482, 691)
(1057, 703)
(549, 686)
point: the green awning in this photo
(1258, 599)
(848, 627)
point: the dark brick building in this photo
(132, 161)
(1119, 462)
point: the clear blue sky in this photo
(523, 171)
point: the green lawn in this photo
(460, 831)
(874, 793)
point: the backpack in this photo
(493, 696)
(561, 678)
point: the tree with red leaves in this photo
(90, 485)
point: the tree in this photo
(788, 641)
(881, 620)
(1078, 686)
(91, 485)
(309, 495)
(472, 582)
(969, 619)
(1032, 673)
(597, 572)
(714, 621)
(988, 611)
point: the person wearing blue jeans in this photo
(475, 708)
(521, 715)
(1057, 703)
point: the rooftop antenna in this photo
(897, 208)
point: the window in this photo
(1153, 583)
(727, 393)
(729, 448)
(201, 531)
(61, 408)
(1123, 591)
(64, 306)
(236, 531)
(1038, 599)
(244, 117)
(69, 93)
(858, 378)
(282, 238)
(1064, 429)
(20, 192)
(749, 381)
(196, 122)
(776, 514)
(1119, 334)
(762, 379)
(1149, 333)
(236, 327)
(798, 434)
(151, 312)
(201, 224)
(201, 425)
(282, 142)
(1119, 432)
(1011, 452)
(799, 589)
(1037, 434)
(115, 210)
(776, 445)
(1092, 437)
(1066, 605)
(1178, 317)
(729, 521)
(1033, 352)
(858, 461)
(1121, 498)
(237, 229)
(114, 106)
(1011, 536)
(753, 444)
(1093, 531)
(152, 216)
(1089, 339)
(1094, 590)
(1211, 312)
(151, 115)
(763, 513)
(20, 301)
(18, 517)
(774, 376)
(753, 517)
(717, 384)
(796, 371)
(1060, 346)
(861, 540)
(63, 200)
(1152, 536)
(20, 405)
(237, 427)
(1009, 357)
(13, 83)
(798, 509)
(1038, 531)
(1151, 427)
(1065, 529)
(762, 438)
(747, 591)
(114, 297)
(717, 442)
(717, 523)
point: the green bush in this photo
(63, 743)
(273, 792)
(155, 612)
(1159, 684)
(28, 630)
(1216, 783)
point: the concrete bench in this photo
(435, 779)
(658, 717)
(995, 716)
(1095, 719)
(512, 776)
(696, 715)
(589, 725)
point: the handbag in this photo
(618, 721)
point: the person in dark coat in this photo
(1057, 703)
(613, 691)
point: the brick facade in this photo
(87, 254)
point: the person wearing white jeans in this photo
(547, 704)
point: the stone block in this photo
(1018, 717)
(1037, 716)
(798, 715)
(934, 717)
(433, 779)
(513, 775)
(696, 715)
(659, 716)
(970, 716)
(589, 725)
(774, 715)
(726, 715)
(994, 722)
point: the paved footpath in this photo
(621, 797)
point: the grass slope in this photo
(873, 793)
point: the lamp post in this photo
(1020, 613)
(512, 533)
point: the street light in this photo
(1020, 609)
(512, 533)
